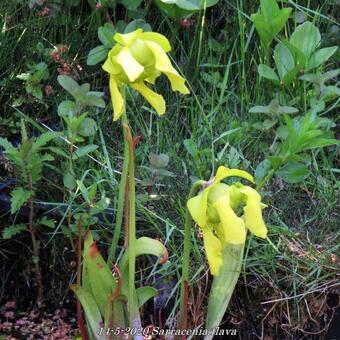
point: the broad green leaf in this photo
(34, 90)
(138, 23)
(90, 307)
(105, 35)
(284, 60)
(96, 55)
(143, 246)
(88, 127)
(293, 172)
(270, 21)
(144, 294)
(83, 151)
(19, 197)
(320, 57)
(93, 99)
(267, 72)
(131, 5)
(269, 9)
(67, 108)
(279, 21)
(306, 38)
(262, 170)
(290, 75)
(330, 93)
(178, 9)
(259, 109)
(159, 161)
(69, 85)
(69, 181)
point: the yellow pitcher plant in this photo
(140, 57)
(224, 213)
(215, 209)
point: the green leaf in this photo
(93, 99)
(262, 170)
(47, 222)
(267, 72)
(88, 127)
(7, 145)
(159, 161)
(58, 151)
(34, 90)
(83, 151)
(105, 35)
(270, 21)
(306, 38)
(69, 84)
(293, 172)
(144, 294)
(96, 55)
(284, 60)
(143, 246)
(69, 181)
(90, 307)
(43, 139)
(260, 109)
(131, 5)
(269, 9)
(13, 230)
(138, 23)
(67, 108)
(19, 197)
(320, 57)
(178, 9)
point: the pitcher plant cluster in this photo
(223, 212)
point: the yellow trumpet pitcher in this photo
(216, 209)
(140, 57)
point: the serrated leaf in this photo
(19, 197)
(14, 230)
(43, 139)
